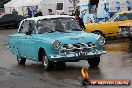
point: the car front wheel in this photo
(21, 60)
(47, 64)
(94, 62)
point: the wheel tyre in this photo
(94, 62)
(21, 60)
(47, 64)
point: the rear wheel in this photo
(94, 62)
(21, 60)
(47, 64)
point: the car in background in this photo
(125, 30)
(110, 28)
(55, 39)
(10, 20)
(1, 13)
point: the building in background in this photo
(107, 8)
(2, 2)
(98, 10)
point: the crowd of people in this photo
(39, 13)
(35, 14)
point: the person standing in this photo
(128, 4)
(14, 12)
(80, 22)
(29, 12)
(39, 13)
(50, 12)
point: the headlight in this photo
(56, 44)
(101, 40)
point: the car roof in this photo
(49, 17)
(122, 12)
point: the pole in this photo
(74, 5)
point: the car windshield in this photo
(57, 24)
(125, 16)
(121, 17)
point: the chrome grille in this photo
(77, 47)
(125, 29)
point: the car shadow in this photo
(70, 72)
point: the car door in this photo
(4, 20)
(29, 40)
(22, 37)
(113, 27)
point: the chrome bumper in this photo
(79, 54)
(126, 34)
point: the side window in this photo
(24, 27)
(59, 6)
(32, 26)
(129, 16)
(123, 17)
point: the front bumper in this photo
(79, 54)
(125, 31)
(126, 34)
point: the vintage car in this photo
(55, 39)
(125, 30)
(110, 27)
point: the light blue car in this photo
(55, 39)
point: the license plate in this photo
(81, 54)
(86, 53)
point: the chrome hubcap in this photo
(18, 59)
(45, 63)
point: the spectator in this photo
(29, 12)
(62, 13)
(14, 12)
(80, 22)
(106, 19)
(50, 12)
(39, 13)
(128, 5)
(90, 20)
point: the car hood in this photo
(69, 37)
